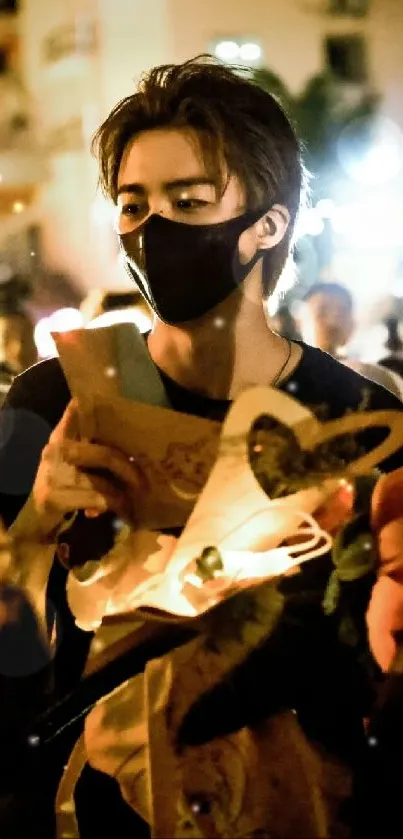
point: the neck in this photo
(222, 353)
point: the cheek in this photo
(247, 245)
(14, 346)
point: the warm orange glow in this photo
(18, 207)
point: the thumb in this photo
(387, 499)
(69, 426)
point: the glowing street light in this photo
(227, 50)
(243, 52)
(250, 52)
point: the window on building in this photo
(9, 6)
(346, 57)
(349, 8)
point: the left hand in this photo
(385, 611)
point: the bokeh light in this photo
(246, 52)
(250, 52)
(227, 50)
(371, 156)
(63, 320)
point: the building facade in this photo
(79, 57)
(21, 165)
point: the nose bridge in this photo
(157, 202)
(328, 313)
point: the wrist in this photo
(28, 570)
(33, 527)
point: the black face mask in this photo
(185, 270)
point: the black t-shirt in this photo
(34, 406)
(393, 362)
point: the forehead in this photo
(163, 155)
(328, 301)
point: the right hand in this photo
(65, 481)
(385, 611)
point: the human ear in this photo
(272, 227)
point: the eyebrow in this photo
(168, 186)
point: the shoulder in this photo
(331, 389)
(324, 381)
(41, 390)
(387, 378)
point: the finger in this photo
(68, 427)
(103, 486)
(66, 478)
(117, 502)
(336, 511)
(390, 544)
(387, 499)
(67, 501)
(86, 456)
(384, 618)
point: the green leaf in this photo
(332, 594)
(354, 559)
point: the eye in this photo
(190, 203)
(130, 209)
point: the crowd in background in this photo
(325, 318)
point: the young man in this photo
(206, 175)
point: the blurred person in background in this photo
(206, 174)
(17, 345)
(393, 360)
(326, 320)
